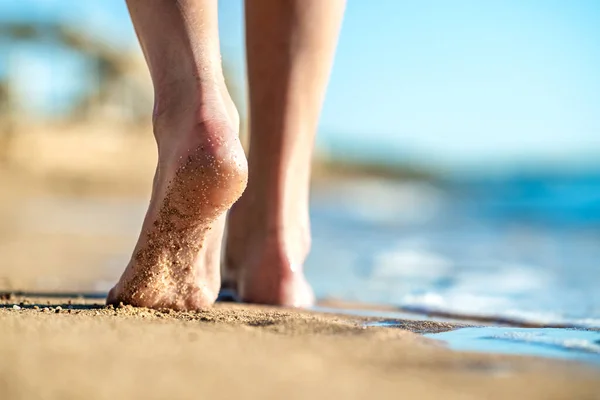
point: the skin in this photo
(202, 171)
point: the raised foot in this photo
(175, 264)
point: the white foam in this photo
(465, 305)
(401, 263)
(505, 279)
(380, 201)
(541, 338)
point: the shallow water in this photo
(524, 250)
(550, 342)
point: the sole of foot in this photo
(202, 171)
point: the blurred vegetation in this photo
(118, 90)
(118, 78)
(339, 167)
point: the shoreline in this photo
(351, 308)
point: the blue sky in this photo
(465, 85)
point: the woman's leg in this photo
(290, 46)
(201, 168)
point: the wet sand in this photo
(60, 348)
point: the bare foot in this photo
(263, 259)
(201, 172)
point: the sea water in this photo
(520, 249)
(573, 344)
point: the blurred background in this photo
(457, 165)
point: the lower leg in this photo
(290, 46)
(201, 166)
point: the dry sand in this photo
(75, 348)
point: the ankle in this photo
(255, 225)
(287, 249)
(193, 102)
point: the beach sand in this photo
(62, 348)
(84, 350)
